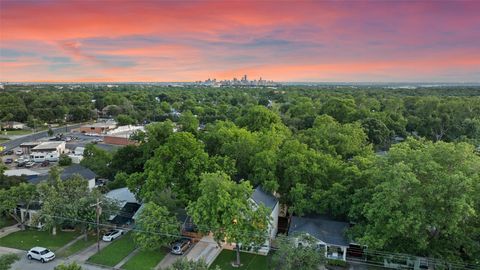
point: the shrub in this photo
(7, 260)
(64, 160)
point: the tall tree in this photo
(177, 165)
(156, 227)
(225, 209)
(24, 194)
(297, 252)
(415, 186)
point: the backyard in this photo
(27, 239)
(145, 259)
(112, 254)
(249, 261)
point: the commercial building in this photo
(121, 135)
(98, 128)
(48, 147)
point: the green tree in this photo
(97, 160)
(377, 132)
(24, 194)
(414, 187)
(224, 208)
(156, 227)
(343, 140)
(177, 165)
(297, 252)
(258, 118)
(188, 122)
(64, 160)
(50, 132)
(123, 120)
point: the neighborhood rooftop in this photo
(48, 145)
(262, 197)
(322, 228)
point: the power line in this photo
(384, 254)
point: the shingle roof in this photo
(324, 229)
(122, 195)
(77, 169)
(68, 173)
(260, 196)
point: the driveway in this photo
(170, 258)
(26, 264)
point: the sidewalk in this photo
(8, 230)
(83, 256)
(60, 250)
(6, 250)
(122, 262)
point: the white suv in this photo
(40, 253)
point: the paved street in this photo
(35, 136)
(25, 264)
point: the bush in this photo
(7, 260)
(336, 263)
(64, 160)
(72, 266)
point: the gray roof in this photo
(324, 229)
(77, 169)
(68, 173)
(260, 196)
(122, 195)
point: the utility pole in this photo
(98, 211)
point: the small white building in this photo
(46, 147)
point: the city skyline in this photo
(284, 41)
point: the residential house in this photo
(261, 197)
(127, 204)
(329, 233)
(27, 215)
(69, 172)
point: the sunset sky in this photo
(382, 41)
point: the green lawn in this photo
(249, 261)
(3, 140)
(145, 260)
(115, 252)
(16, 132)
(77, 246)
(30, 238)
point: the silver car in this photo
(41, 254)
(181, 246)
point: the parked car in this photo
(112, 235)
(21, 164)
(18, 152)
(181, 246)
(29, 164)
(9, 152)
(8, 161)
(40, 253)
